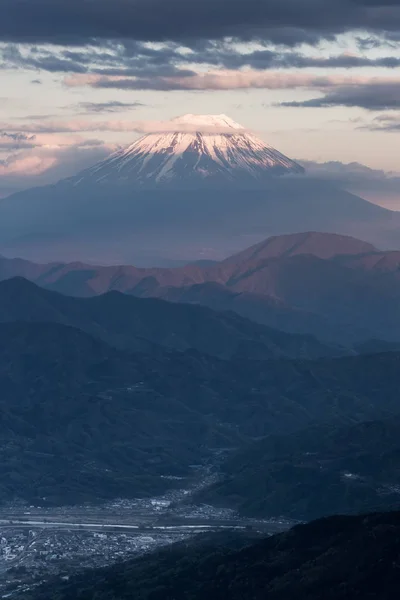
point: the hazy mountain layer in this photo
(334, 287)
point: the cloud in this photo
(371, 42)
(49, 163)
(16, 137)
(49, 126)
(107, 107)
(26, 165)
(136, 59)
(221, 80)
(275, 59)
(45, 130)
(385, 122)
(374, 95)
(288, 22)
(372, 184)
(15, 141)
(128, 58)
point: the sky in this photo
(317, 79)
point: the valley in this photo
(38, 543)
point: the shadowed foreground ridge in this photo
(337, 558)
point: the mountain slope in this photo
(79, 418)
(141, 324)
(316, 472)
(201, 150)
(321, 245)
(113, 224)
(340, 558)
(375, 261)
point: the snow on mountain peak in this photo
(192, 151)
(216, 122)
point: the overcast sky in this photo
(318, 79)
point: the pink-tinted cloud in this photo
(49, 162)
(26, 165)
(49, 129)
(48, 126)
(226, 80)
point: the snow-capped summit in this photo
(192, 151)
(202, 122)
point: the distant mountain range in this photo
(337, 288)
(204, 189)
(339, 558)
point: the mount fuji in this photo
(202, 188)
(199, 151)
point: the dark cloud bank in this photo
(286, 22)
(371, 96)
(135, 59)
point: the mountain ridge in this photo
(284, 283)
(319, 244)
(151, 324)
